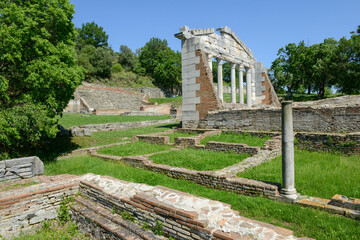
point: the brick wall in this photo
(183, 215)
(208, 99)
(25, 208)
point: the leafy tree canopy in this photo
(160, 62)
(320, 66)
(150, 55)
(126, 58)
(96, 61)
(91, 34)
(38, 72)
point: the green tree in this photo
(38, 72)
(150, 55)
(126, 58)
(325, 67)
(91, 34)
(168, 73)
(349, 64)
(96, 61)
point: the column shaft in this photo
(248, 88)
(241, 85)
(233, 83)
(220, 80)
(288, 166)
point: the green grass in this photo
(200, 160)
(133, 149)
(303, 221)
(316, 174)
(243, 138)
(177, 101)
(77, 119)
(179, 134)
(103, 138)
(227, 97)
(53, 229)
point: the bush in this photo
(116, 68)
(23, 128)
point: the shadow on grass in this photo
(54, 148)
(170, 126)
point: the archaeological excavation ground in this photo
(210, 170)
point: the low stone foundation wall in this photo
(183, 216)
(346, 143)
(162, 140)
(234, 147)
(20, 168)
(161, 108)
(86, 129)
(206, 178)
(22, 209)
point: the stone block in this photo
(38, 166)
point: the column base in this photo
(289, 193)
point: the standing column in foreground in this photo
(288, 166)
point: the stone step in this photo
(100, 222)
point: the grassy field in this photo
(134, 149)
(179, 134)
(200, 160)
(103, 138)
(316, 174)
(244, 138)
(77, 119)
(303, 221)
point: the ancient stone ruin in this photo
(199, 47)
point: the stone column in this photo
(241, 84)
(220, 80)
(248, 87)
(210, 57)
(233, 83)
(288, 167)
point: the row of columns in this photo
(249, 71)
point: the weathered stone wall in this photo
(110, 98)
(183, 216)
(151, 92)
(234, 147)
(161, 108)
(207, 178)
(332, 119)
(346, 143)
(23, 209)
(19, 168)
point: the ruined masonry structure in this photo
(199, 47)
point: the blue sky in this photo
(263, 25)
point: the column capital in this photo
(241, 67)
(219, 61)
(233, 65)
